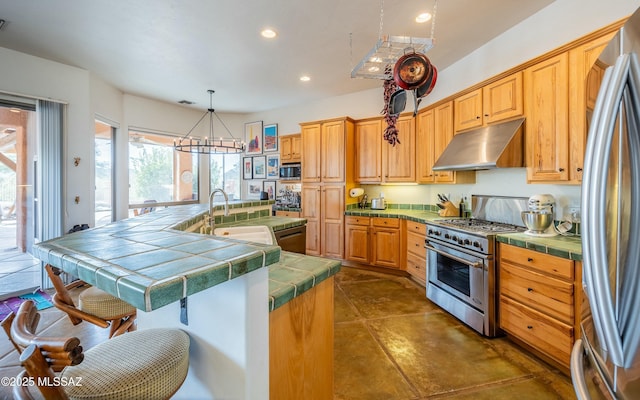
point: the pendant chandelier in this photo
(209, 145)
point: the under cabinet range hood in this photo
(494, 146)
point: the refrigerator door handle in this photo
(577, 371)
(594, 202)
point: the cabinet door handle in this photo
(529, 327)
(529, 259)
(477, 117)
(561, 169)
(529, 289)
(579, 169)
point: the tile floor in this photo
(19, 272)
(391, 343)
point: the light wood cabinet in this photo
(497, 101)
(289, 214)
(538, 301)
(311, 201)
(385, 249)
(582, 96)
(301, 346)
(468, 111)
(373, 241)
(425, 123)
(368, 150)
(416, 256)
(379, 162)
(326, 170)
(434, 134)
(546, 130)
(290, 148)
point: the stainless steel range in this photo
(460, 259)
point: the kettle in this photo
(378, 203)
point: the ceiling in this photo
(173, 50)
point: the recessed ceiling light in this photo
(424, 17)
(305, 78)
(268, 33)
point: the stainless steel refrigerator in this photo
(605, 362)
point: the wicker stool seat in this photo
(147, 364)
(94, 305)
(103, 305)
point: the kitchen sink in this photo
(253, 233)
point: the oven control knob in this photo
(467, 241)
(446, 236)
(430, 232)
(454, 238)
(437, 233)
(460, 242)
(476, 244)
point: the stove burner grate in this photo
(479, 225)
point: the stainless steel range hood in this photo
(494, 146)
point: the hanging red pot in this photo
(411, 71)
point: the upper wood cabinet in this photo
(546, 106)
(290, 148)
(503, 99)
(379, 162)
(497, 101)
(425, 121)
(368, 149)
(468, 111)
(583, 87)
(325, 145)
(399, 160)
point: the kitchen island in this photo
(217, 289)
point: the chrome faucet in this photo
(212, 220)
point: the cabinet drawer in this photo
(546, 334)
(352, 220)
(417, 267)
(530, 259)
(417, 227)
(543, 293)
(386, 222)
(415, 244)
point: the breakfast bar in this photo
(218, 289)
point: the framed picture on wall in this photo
(259, 167)
(273, 166)
(253, 137)
(270, 137)
(247, 168)
(255, 187)
(270, 188)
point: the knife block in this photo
(449, 210)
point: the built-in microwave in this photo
(290, 172)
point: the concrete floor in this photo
(390, 343)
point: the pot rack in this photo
(378, 62)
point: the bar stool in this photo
(94, 305)
(146, 364)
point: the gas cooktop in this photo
(479, 225)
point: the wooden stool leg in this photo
(37, 367)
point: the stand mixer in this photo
(539, 218)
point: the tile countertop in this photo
(561, 246)
(145, 261)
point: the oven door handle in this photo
(461, 260)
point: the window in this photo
(104, 194)
(158, 173)
(225, 174)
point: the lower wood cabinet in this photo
(289, 214)
(538, 304)
(373, 241)
(301, 346)
(416, 256)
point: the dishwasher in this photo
(292, 239)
